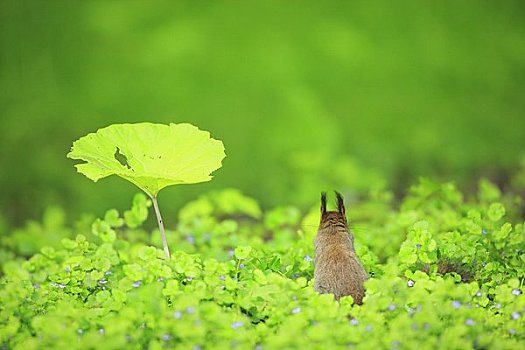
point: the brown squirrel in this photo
(337, 269)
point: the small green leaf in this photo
(259, 277)
(148, 253)
(138, 212)
(407, 253)
(134, 271)
(113, 219)
(503, 232)
(514, 283)
(102, 229)
(69, 243)
(488, 191)
(242, 252)
(496, 211)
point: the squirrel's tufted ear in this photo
(323, 203)
(340, 203)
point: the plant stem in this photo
(161, 227)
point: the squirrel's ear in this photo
(323, 203)
(340, 203)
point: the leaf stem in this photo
(161, 227)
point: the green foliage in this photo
(138, 212)
(151, 156)
(243, 278)
(34, 235)
(220, 204)
(418, 246)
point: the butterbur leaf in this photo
(151, 156)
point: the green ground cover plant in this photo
(241, 277)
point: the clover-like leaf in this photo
(152, 156)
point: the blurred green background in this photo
(306, 96)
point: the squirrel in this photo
(337, 268)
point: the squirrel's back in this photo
(337, 269)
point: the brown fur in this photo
(337, 269)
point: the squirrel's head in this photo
(333, 218)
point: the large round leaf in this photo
(152, 156)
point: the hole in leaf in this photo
(121, 158)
